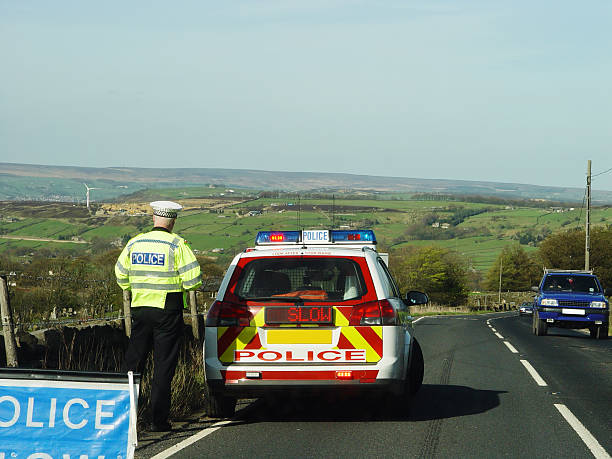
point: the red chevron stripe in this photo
(225, 341)
(346, 311)
(255, 343)
(344, 343)
(372, 338)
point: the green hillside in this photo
(478, 231)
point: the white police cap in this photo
(166, 209)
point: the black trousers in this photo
(162, 331)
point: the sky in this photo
(508, 91)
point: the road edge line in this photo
(190, 440)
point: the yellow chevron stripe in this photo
(239, 343)
(259, 320)
(340, 320)
(360, 342)
(378, 331)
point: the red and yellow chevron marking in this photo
(361, 337)
(232, 339)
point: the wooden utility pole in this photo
(8, 330)
(195, 323)
(127, 304)
(587, 242)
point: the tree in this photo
(519, 270)
(566, 251)
(439, 272)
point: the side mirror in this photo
(535, 289)
(414, 298)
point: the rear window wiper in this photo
(288, 299)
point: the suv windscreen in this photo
(322, 279)
(582, 284)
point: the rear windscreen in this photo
(568, 283)
(308, 279)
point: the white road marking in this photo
(534, 374)
(191, 440)
(598, 451)
(511, 347)
(499, 336)
(415, 321)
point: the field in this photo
(224, 225)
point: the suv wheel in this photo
(416, 370)
(540, 327)
(218, 406)
(412, 383)
(599, 331)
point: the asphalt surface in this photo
(478, 400)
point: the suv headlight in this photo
(550, 302)
(598, 304)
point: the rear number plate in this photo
(299, 315)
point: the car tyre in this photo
(600, 331)
(540, 327)
(217, 405)
(416, 370)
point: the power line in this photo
(601, 173)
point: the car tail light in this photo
(387, 313)
(227, 314)
(373, 313)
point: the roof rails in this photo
(576, 271)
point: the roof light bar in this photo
(352, 236)
(278, 237)
(316, 237)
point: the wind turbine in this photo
(88, 190)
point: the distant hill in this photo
(65, 183)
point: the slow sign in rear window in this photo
(299, 315)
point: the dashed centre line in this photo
(534, 374)
(589, 440)
(511, 347)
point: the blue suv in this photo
(571, 299)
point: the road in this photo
(478, 400)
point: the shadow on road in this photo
(432, 402)
(437, 401)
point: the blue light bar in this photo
(278, 237)
(353, 236)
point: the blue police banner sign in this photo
(55, 414)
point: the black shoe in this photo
(163, 427)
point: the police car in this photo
(310, 310)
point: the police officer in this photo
(158, 267)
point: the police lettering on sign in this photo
(315, 236)
(154, 259)
(56, 416)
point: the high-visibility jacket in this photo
(154, 264)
